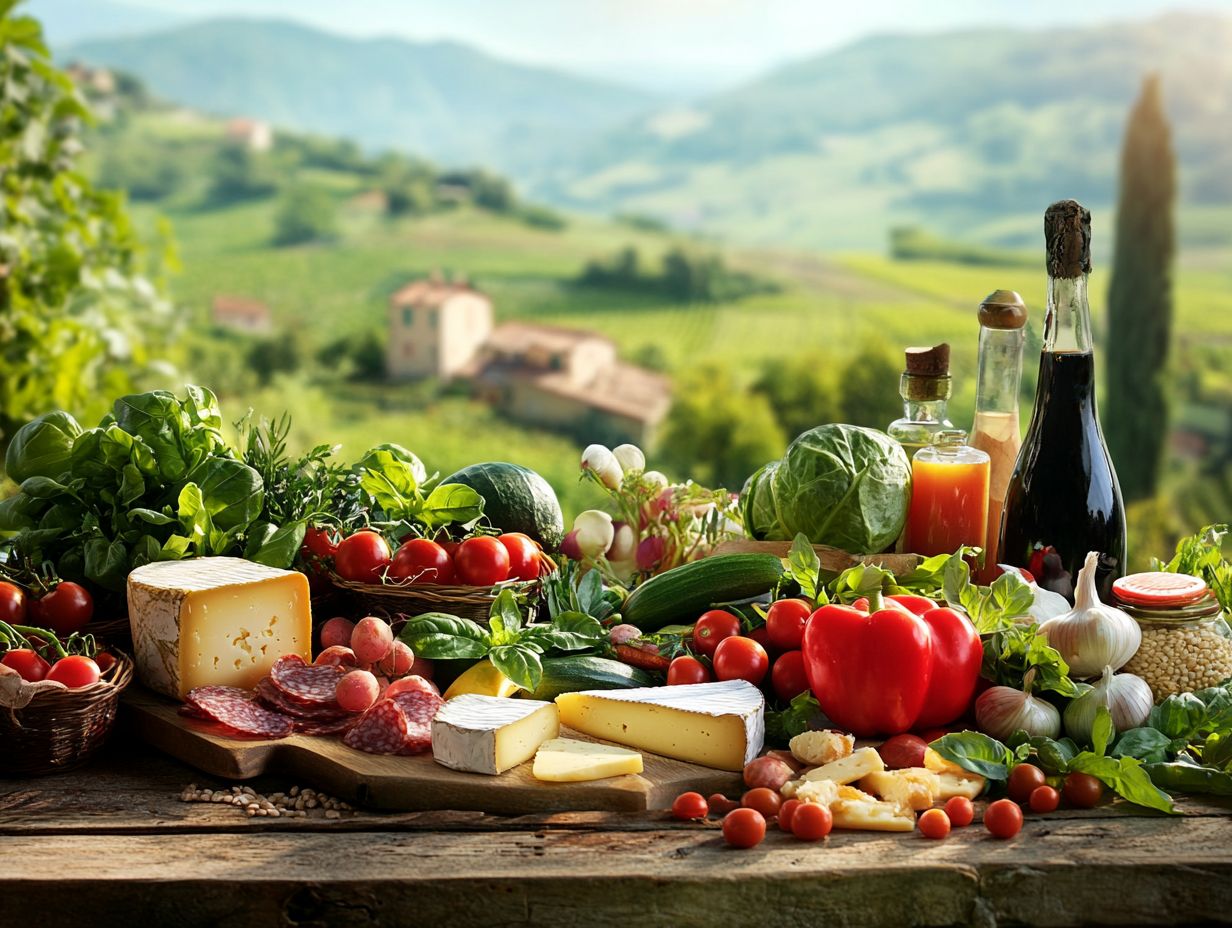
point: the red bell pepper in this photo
(870, 670)
(957, 656)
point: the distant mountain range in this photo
(971, 133)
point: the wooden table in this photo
(113, 844)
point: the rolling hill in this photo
(442, 100)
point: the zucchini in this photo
(575, 672)
(680, 595)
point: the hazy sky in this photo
(649, 40)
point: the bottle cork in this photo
(929, 362)
(1003, 309)
(1067, 237)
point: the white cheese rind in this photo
(490, 734)
(216, 620)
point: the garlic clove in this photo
(1092, 635)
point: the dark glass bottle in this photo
(1063, 498)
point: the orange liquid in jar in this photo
(949, 504)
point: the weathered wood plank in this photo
(1132, 871)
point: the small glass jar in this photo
(1184, 648)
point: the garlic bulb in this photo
(1092, 636)
(1127, 698)
(1002, 710)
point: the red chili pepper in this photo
(870, 671)
(636, 657)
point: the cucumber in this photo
(575, 672)
(680, 595)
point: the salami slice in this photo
(274, 698)
(239, 712)
(331, 727)
(420, 708)
(338, 655)
(306, 683)
(383, 729)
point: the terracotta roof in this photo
(235, 307)
(519, 337)
(429, 292)
(622, 389)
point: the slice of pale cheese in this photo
(490, 734)
(915, 788)
(871, 815)
(565, 760)
(950, 785)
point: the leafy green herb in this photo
(803, 714)
(1201, 555)
(976, 752)
(512, 646)
(1010, 653)
(570, 588)
(804, 567)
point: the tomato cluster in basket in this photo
(38, 654)
(481, 560)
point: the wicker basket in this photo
(412, 599)
(61, 729)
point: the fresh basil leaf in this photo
(1218, 702)
(589, 592)
(43, 487)
(1054, 756)
(450, 503)
(1147, 744)
(1126, 777)
(1179, 716)
(504, 618)
(573, 631)
(232, 491)
(929, 576)
(977, 753)
(279, 547)
(804, 566)
(519, 664)
(106, 563)
(1102, 731)
(439, 636)
(151, 516)
(801, 715)
(955, 578)
(996, 607)
(1217, 751)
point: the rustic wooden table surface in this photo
(114, 844)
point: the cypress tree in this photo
(1140, 299)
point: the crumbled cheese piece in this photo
(821, 747)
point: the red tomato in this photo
(481, 561)
(690, 806)
(1003, 818)
(762, 637)
(321, 541)
(685, 669)
(720, 804)
(811, 821)
(764, 800)
(523, 555)
(1024, 780)
(785, 622)
(1044, 799)
(786, 811)
(934, 823)
(421, 561)
(788, 676)
(66, 609)
(105, 661)
(362, 557)
(712, 628)
(960, 811)
(74, 671)
(744, 828)
(740, 659)
(26, 662)
(903, 751)
(12, 604)
(1082, 791)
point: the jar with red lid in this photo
(1186, 641)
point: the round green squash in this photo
(516, 499)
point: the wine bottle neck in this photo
(1067, 325)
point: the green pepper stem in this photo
(25, 632)
(875, 602)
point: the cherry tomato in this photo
(903, 751)
(1024, 780)
(934, 823)
(712, 628)
(105, 661)
(481, 561)
(362, 557)
(740, 659)
(66, 609)
(720, 804)
(786, 811)
(788, 676)
(785, 623)
(421, 561)
(685, 669)
(764, 800)
(811, 821)
(1044, 799)
(690, 806)
(26, 662)
(12, 604)
(74, 671)
(744, 828)
(320, 541)
(523, 555)
(1082, 791)
(1003, 818)
(960, 811)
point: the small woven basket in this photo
(412, 599)
(61, 729)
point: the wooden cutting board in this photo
(408, 784)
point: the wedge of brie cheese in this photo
(490, 734)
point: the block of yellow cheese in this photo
(911, 788)
(215, 621)
(713, 724)
(566, 760)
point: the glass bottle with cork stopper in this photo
(949, 496)
(925, 388)
(996, 431)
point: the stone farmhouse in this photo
(567, 379)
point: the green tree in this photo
(239, 174)
(306, 214)
(280, 353)
(718, 432)
(81, 306)
(802, 390)
(868, 389)
(1140, 299)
